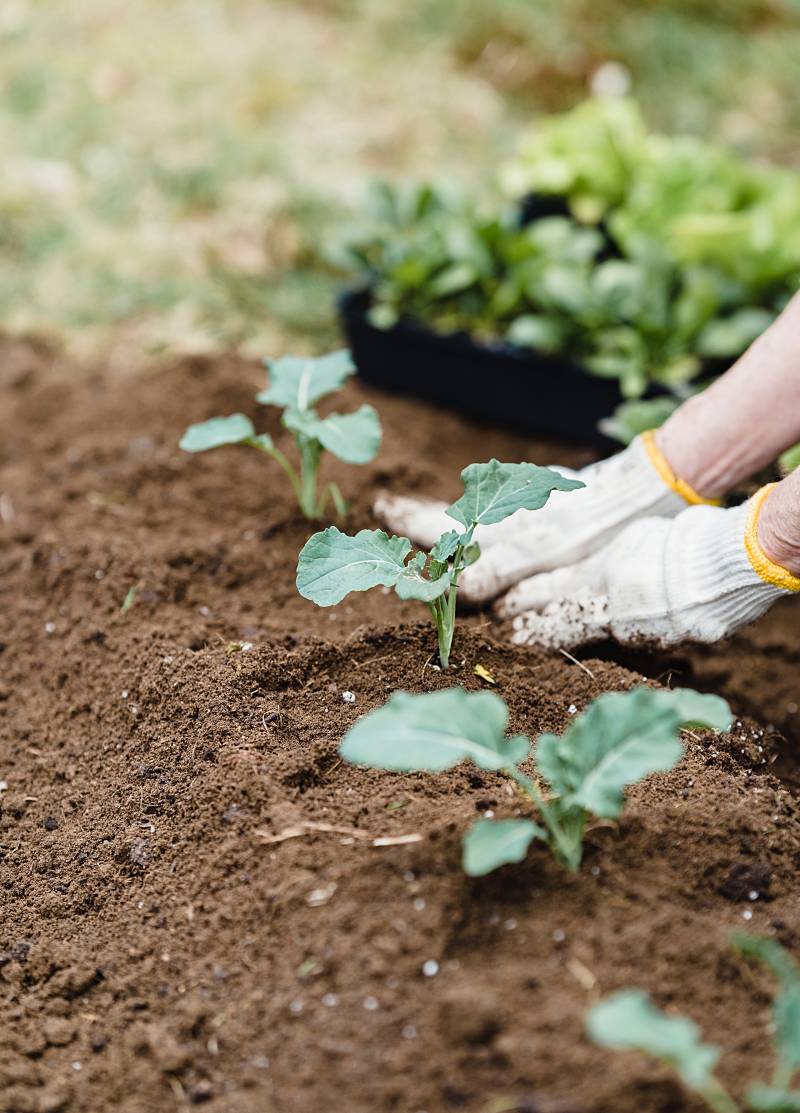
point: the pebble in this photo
(349, 697)
(370, 1004)
(49, 627)
(296, 1007)
(572, 709)
(409, 1032)
(430, 968)
(330, 1000)
(559, 936)
(747, 914)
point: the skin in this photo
(740, 425)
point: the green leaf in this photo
(414, 585)
(332, 564)
(382, 317)
(618, 740)
(298, 382)
(628, 1020)
(632, 418)
(730, 336)
(770, 1099)
(491, 843)
(532, 330)
(470, 555)
(493, 491)
(216, 432)
(445, 546)
(453, 279)
(786, 1006)
(354, 437)
(435, 731)
(790, 460)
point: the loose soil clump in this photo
(195, 910)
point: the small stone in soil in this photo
(430, 968)
(349, 697)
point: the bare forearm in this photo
(746, 419)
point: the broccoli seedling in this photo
(332, 564)
(629, 1021)
(618, 740)
(295, 385)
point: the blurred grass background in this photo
(172, 169)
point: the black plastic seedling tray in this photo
(535, 393)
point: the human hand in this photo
(697, 577)
(636, 483)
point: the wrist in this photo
(676, 481)
(711, 474)
(778, 527)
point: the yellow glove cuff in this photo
(768, 570)
(659, 462)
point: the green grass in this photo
(172, 172)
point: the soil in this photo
(194, 910)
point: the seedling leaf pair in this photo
(629, 1021)
(621, 738)
(332, 564)
(296, 384)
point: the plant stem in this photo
(718, 1099)
(291, 474)
(564, 845)
(445, 636)
(309, 462)
(338, 499)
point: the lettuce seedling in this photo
(295, 385)
(618, 740)
(332, 564)
(629, 1021)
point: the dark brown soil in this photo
(193, 908)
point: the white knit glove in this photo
(697, 577)
(636, 483)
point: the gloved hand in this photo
(697, 577)
(636, 483)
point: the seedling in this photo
(332, 564)
(295, 385)
(618, 740)
(629, 1021)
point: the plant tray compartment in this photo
(548, 395)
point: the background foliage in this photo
(172, 169)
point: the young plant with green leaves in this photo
(620, 739)
(332, 564)
(296, 384)
(629, 1021)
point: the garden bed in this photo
(193, 910)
